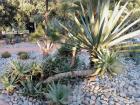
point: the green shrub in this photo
(65, 50)
(6, 55)
(21, 52)
(38, 33)
(58, 94)
(23, 55)
(55, 65)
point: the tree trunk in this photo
(82, 73)
(46, 3)
(74, 50)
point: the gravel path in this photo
(20, 47)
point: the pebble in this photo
(114, 91)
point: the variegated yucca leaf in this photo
(101, 28)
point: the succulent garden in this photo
(69, 52)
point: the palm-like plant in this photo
(104, 30)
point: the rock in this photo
(85, 102)
(1, 86)
(137, 99)
(30, 103)
(96, 89)
(10, 103)
(98, 103)
(111, 102)
(104, 102)
(25, 102)
(122, 84)
(92, 102)
(137, 103)
(93, 98)
(122, 94)
(3, 102)
(84, 58)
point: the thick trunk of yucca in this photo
(74, 50)
(83, 73)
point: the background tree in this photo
(7, 14)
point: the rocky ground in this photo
(120, 90)
(35, 55)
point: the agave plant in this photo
(108, 62)
(19, 69)
(36, 69)
(31, 88)
(9, 82)
(58, 94)
(103, 30)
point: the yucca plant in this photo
(58, 94)
(45, 45)
(103, 30)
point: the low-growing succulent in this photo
(58, 94)
(21, 52)
(9, 82)
(5, 54)
(31, 87)
(23, 55)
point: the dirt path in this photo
(14, 50)
(27, 47)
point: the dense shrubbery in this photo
(38, 33)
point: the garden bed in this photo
(123, 89)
